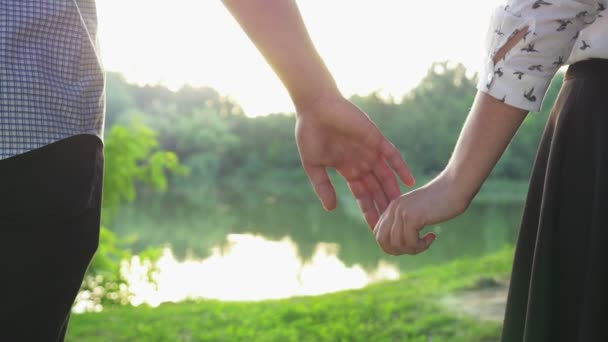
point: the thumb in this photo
(425, 242)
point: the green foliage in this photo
(410, 309)
(202, 137)
(110, 253)
(240, 162)
(229, 154)
(104, 283)
(426, 123)
(121, 100)
(131, 156)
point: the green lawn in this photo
(409, 309)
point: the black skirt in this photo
(559, 283)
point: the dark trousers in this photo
(50, 207)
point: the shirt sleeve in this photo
(522, 77)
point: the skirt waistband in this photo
(591, 68)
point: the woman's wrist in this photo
(456, 192)
(435, 202)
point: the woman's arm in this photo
(528, 42)
(486, 133)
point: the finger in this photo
(365, 201)
(380, 232)
(413, 243)
(383, 234)
(386, 218)
(381, 220)
(428, 240)
(387, 179)
(397, 237)
(323, 187)
(373, 187)
(394, 158)
(370, 212)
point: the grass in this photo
(409, 309)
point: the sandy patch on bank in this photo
(487, 301)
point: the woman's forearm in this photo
(277, 29)
(485, 135)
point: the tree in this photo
(131, 156)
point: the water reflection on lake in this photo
(252, 268)
(276, 249)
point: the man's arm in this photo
(330, 131)
(277, 29)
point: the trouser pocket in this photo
(52, 182)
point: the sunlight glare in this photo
(380, 45)
(251, 268)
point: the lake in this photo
(269, 248)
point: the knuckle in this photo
(352, 173)
(397, 245)
(387, 250)
(395, 205)
(407, 251)
(386, 247)
(406, 215)
(396, 252)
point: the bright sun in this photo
(369, 45)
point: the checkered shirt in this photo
(51, 77)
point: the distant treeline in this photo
(228, 152)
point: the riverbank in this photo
(411, 309)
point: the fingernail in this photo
(412, 181)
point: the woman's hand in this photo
(398, 230)
(332, 132)
(486, 133)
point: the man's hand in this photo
(330, 131)
(335, 133)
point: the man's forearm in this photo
(277, 29)
(485, 135)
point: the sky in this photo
(368, 45)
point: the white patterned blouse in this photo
(558, 32)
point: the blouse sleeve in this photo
(522, 77)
